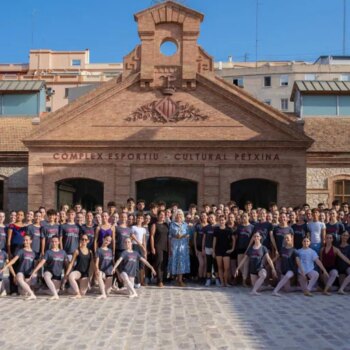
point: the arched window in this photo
(87, 192)
(260, 192)
(342, 190)
(169, 190)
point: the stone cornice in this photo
(41, 145)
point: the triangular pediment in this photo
(169, 10)
(168, 99)
(122, 112)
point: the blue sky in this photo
(298, 29)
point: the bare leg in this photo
(50, 284)
(108, 284)
(233, 266)
(345, 282)
(285, 279)
(259, 282)
(332, 277)
(84, 285)
(128, 281)
(24, 285)
(220, 268)
(226, 263)
(74, 276)
(244, 269)
(307, 287)
(101, 284)
(200, 265)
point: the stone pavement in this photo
(177, 318)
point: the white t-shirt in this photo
(307, 258)
(139, 232)
(315, 228)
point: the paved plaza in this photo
(178, 318)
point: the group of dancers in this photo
(121, 250)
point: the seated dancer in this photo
(130, 260)
(255, 255)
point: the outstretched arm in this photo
(38, 267)
(341, 256)
(270, 262)
(143, 260)
(10, 263)
(117, 264)
(71, 264)
(241, 264)
(320, 265)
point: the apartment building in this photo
(272, 81)
(63, 71)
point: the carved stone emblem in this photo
(166, 111)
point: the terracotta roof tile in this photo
(331, 134)
(12, 130)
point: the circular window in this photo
(168, 48)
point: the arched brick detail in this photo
(280, 175)
(192, 173)
(54, 174)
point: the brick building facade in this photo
(167, 117)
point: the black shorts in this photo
(223, 254)
(83, 274)
(56, 278)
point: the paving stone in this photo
(170, 318)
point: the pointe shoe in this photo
(308, 293)
(54, 297)
(275, 294)
(31, 297)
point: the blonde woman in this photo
(179, 248)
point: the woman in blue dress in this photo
(179, 234)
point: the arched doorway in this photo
(260, 192)
(87, 192)
(169, 190)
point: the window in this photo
(1, 194)
(284, 104)
(267, 81)
(66, 92)
(310, 77)
(238, 82)
(268, 102)
(76, 63)
(284, 80)
(342, 190)
(48, 109)
(345, 77)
